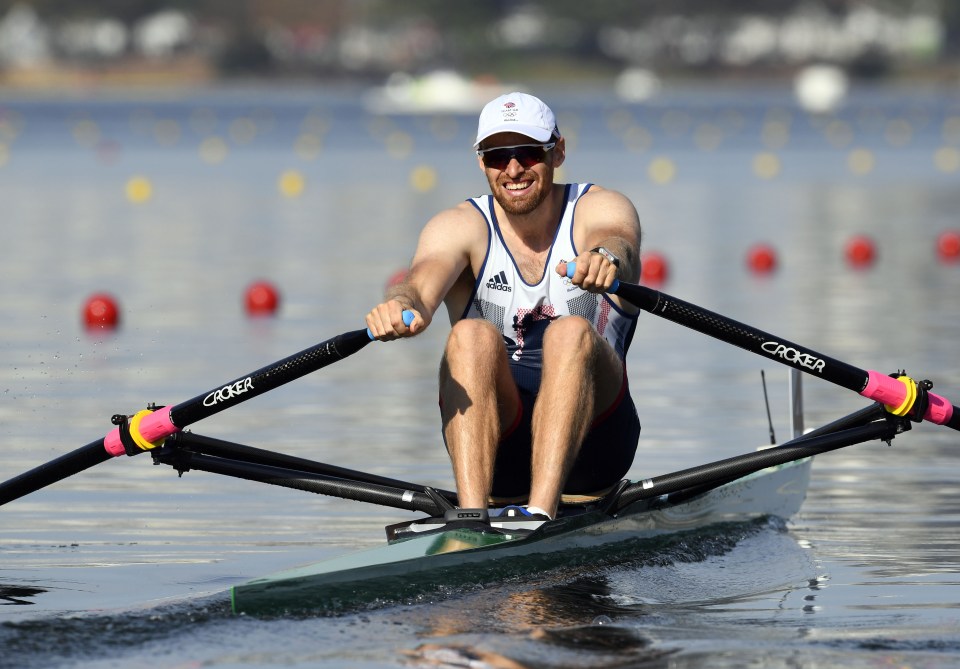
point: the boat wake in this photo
(557, 609)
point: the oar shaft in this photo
(160, 424)
(872, 385)
(165, 422)
(743, 336)
(55, 470)
(168, 420)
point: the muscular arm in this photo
(605, 218)
(444, 250)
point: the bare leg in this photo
(479, 398)
(581, 378)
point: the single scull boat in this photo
(455, 557)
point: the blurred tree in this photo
(492, 36)
(127, 11)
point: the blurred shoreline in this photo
(424, 57)
(191, 74)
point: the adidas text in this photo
(499, 282)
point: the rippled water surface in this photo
(128, 565)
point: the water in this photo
(127, 565)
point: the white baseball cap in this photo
(517, 112)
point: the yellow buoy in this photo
(139, 189)
(947, 159)
(423, 178)
(861, 161)
(766, 165)
(662, 170)
(291, 183)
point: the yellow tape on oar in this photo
(911, 387)
(138, 438)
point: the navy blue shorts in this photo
(604, 459)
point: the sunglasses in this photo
(527, 155)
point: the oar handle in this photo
(572, 269)
(897, 394)
(407, 316)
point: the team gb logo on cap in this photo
(509, 111)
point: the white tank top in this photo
(521, 310)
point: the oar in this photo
(901, 395)
(148, 428)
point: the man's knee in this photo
(473, 338)
(568, 335)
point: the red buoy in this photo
(101, 312)
(861, 251)
(948, 246)
(262, 299)
(761, 258)
(653, 268)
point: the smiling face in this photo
(517, 189)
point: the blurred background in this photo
(45, 43)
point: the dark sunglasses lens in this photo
(527, 156)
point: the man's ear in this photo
(559, 152)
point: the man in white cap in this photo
(533, 385)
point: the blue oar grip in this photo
(407, 320)
(572, 268)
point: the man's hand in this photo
(594, 273)
(385, 321)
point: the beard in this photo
(522, 206)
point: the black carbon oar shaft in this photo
(167, 421)
(875, 386)
(66, 465)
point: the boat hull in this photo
(454, 559)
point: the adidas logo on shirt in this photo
(499, 282)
